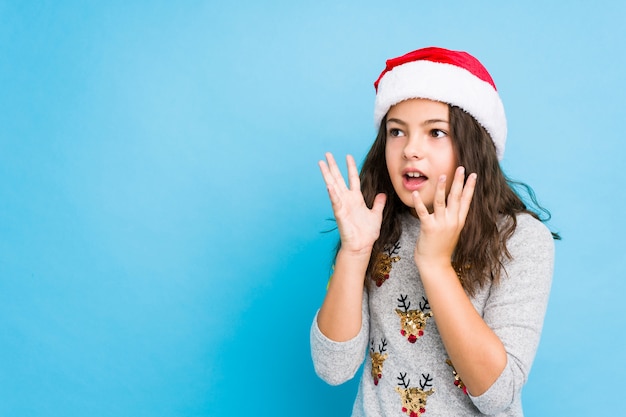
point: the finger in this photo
(335, 171)
(467, 196)
(353, 174)
(328, 178)
(439, 204)
(420, 208)
(379, 204)
(335, 200)
(456, 190)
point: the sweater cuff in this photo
(336, 362)
(318, 338)
(499, 396)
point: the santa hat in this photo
(452, 77)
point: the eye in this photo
(394, 132)
(438, 133)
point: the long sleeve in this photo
(338, 362)
(515, 310)
(407, 357)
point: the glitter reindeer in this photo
(384, 262)
(412, 322)
(378, 358)
(414, 398)
(457, 378)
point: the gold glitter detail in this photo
(457, 378)
(414, 400)
(413, 323)
(377, 365)
(378, 358)
(382, 267)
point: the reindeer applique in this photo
(457, 378)
(414, 398)
(384, 262)
(412, 322)
(378, 358)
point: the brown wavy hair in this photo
(481, 250)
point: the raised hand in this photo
(359, 226)
(440, 230)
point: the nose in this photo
(413, 148)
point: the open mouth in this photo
(415, 174)
(414, 179)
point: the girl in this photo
(442, 274)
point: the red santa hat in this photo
(452, 77)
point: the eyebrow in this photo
(425, 123)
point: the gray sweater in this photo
(407, 371)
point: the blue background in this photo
(161, 209)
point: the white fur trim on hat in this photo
(446, 83)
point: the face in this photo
(419, 149)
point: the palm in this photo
(440, 230)
(359, 226)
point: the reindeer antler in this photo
(402, 302)
(425, 305)
(382, 348)
(403, 380)
(428, 381)
(393, 250)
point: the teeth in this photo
(414, 174)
